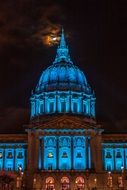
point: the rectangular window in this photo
(79, 155)
(20, 155)
(50, 155)
(41, 108)
(49, 166)
(84, 108)
(64, 155)
(9, 155)
(51, 109)
(109, 167)
(75, 107)
(118, 155)
(108, 155)
(63, 106)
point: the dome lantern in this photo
(62, 51)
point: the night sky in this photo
(96, 33)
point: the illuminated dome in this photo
(62, 88)
(62, 74)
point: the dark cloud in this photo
(25, 21)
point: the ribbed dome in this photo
(62, 76)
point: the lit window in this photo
(1, 155)
(84, 108)
(50, 155)
(118, 155)
(79, 155)
(64, 155)
(20, 155)
(49, 166)
(63, 106)
(109, 167)
(51, 107)
(119, 165)
(9, 155)
(41, 108)
(108, 155)
(75, 108)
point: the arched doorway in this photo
(50, 183)
(65, 183)
(79, 183)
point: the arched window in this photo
(65, 183)
(79, 183)
(50, 183)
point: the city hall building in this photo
(64, 148)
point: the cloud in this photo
(23, 22)
(47, 27)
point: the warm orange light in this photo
(51, 39)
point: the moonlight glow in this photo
(51, 39)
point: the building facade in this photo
(64, 147)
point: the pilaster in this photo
(31, 152)
(96, 152)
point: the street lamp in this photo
(95, 183)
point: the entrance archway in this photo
(80, 183)
(50, 183)
(65, 183)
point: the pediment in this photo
(66, 122)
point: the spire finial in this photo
(62, 30)
(62, 50)
(62, 39)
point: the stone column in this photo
(42, 153)
(14, 161)
(114, 159)
(96, 152)
(31, 152)
(72, 154)
(57, 153)
(70, 102)
(87, 155)
(3, 158)
(93, 152)
(124, 154)
(36, 151)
